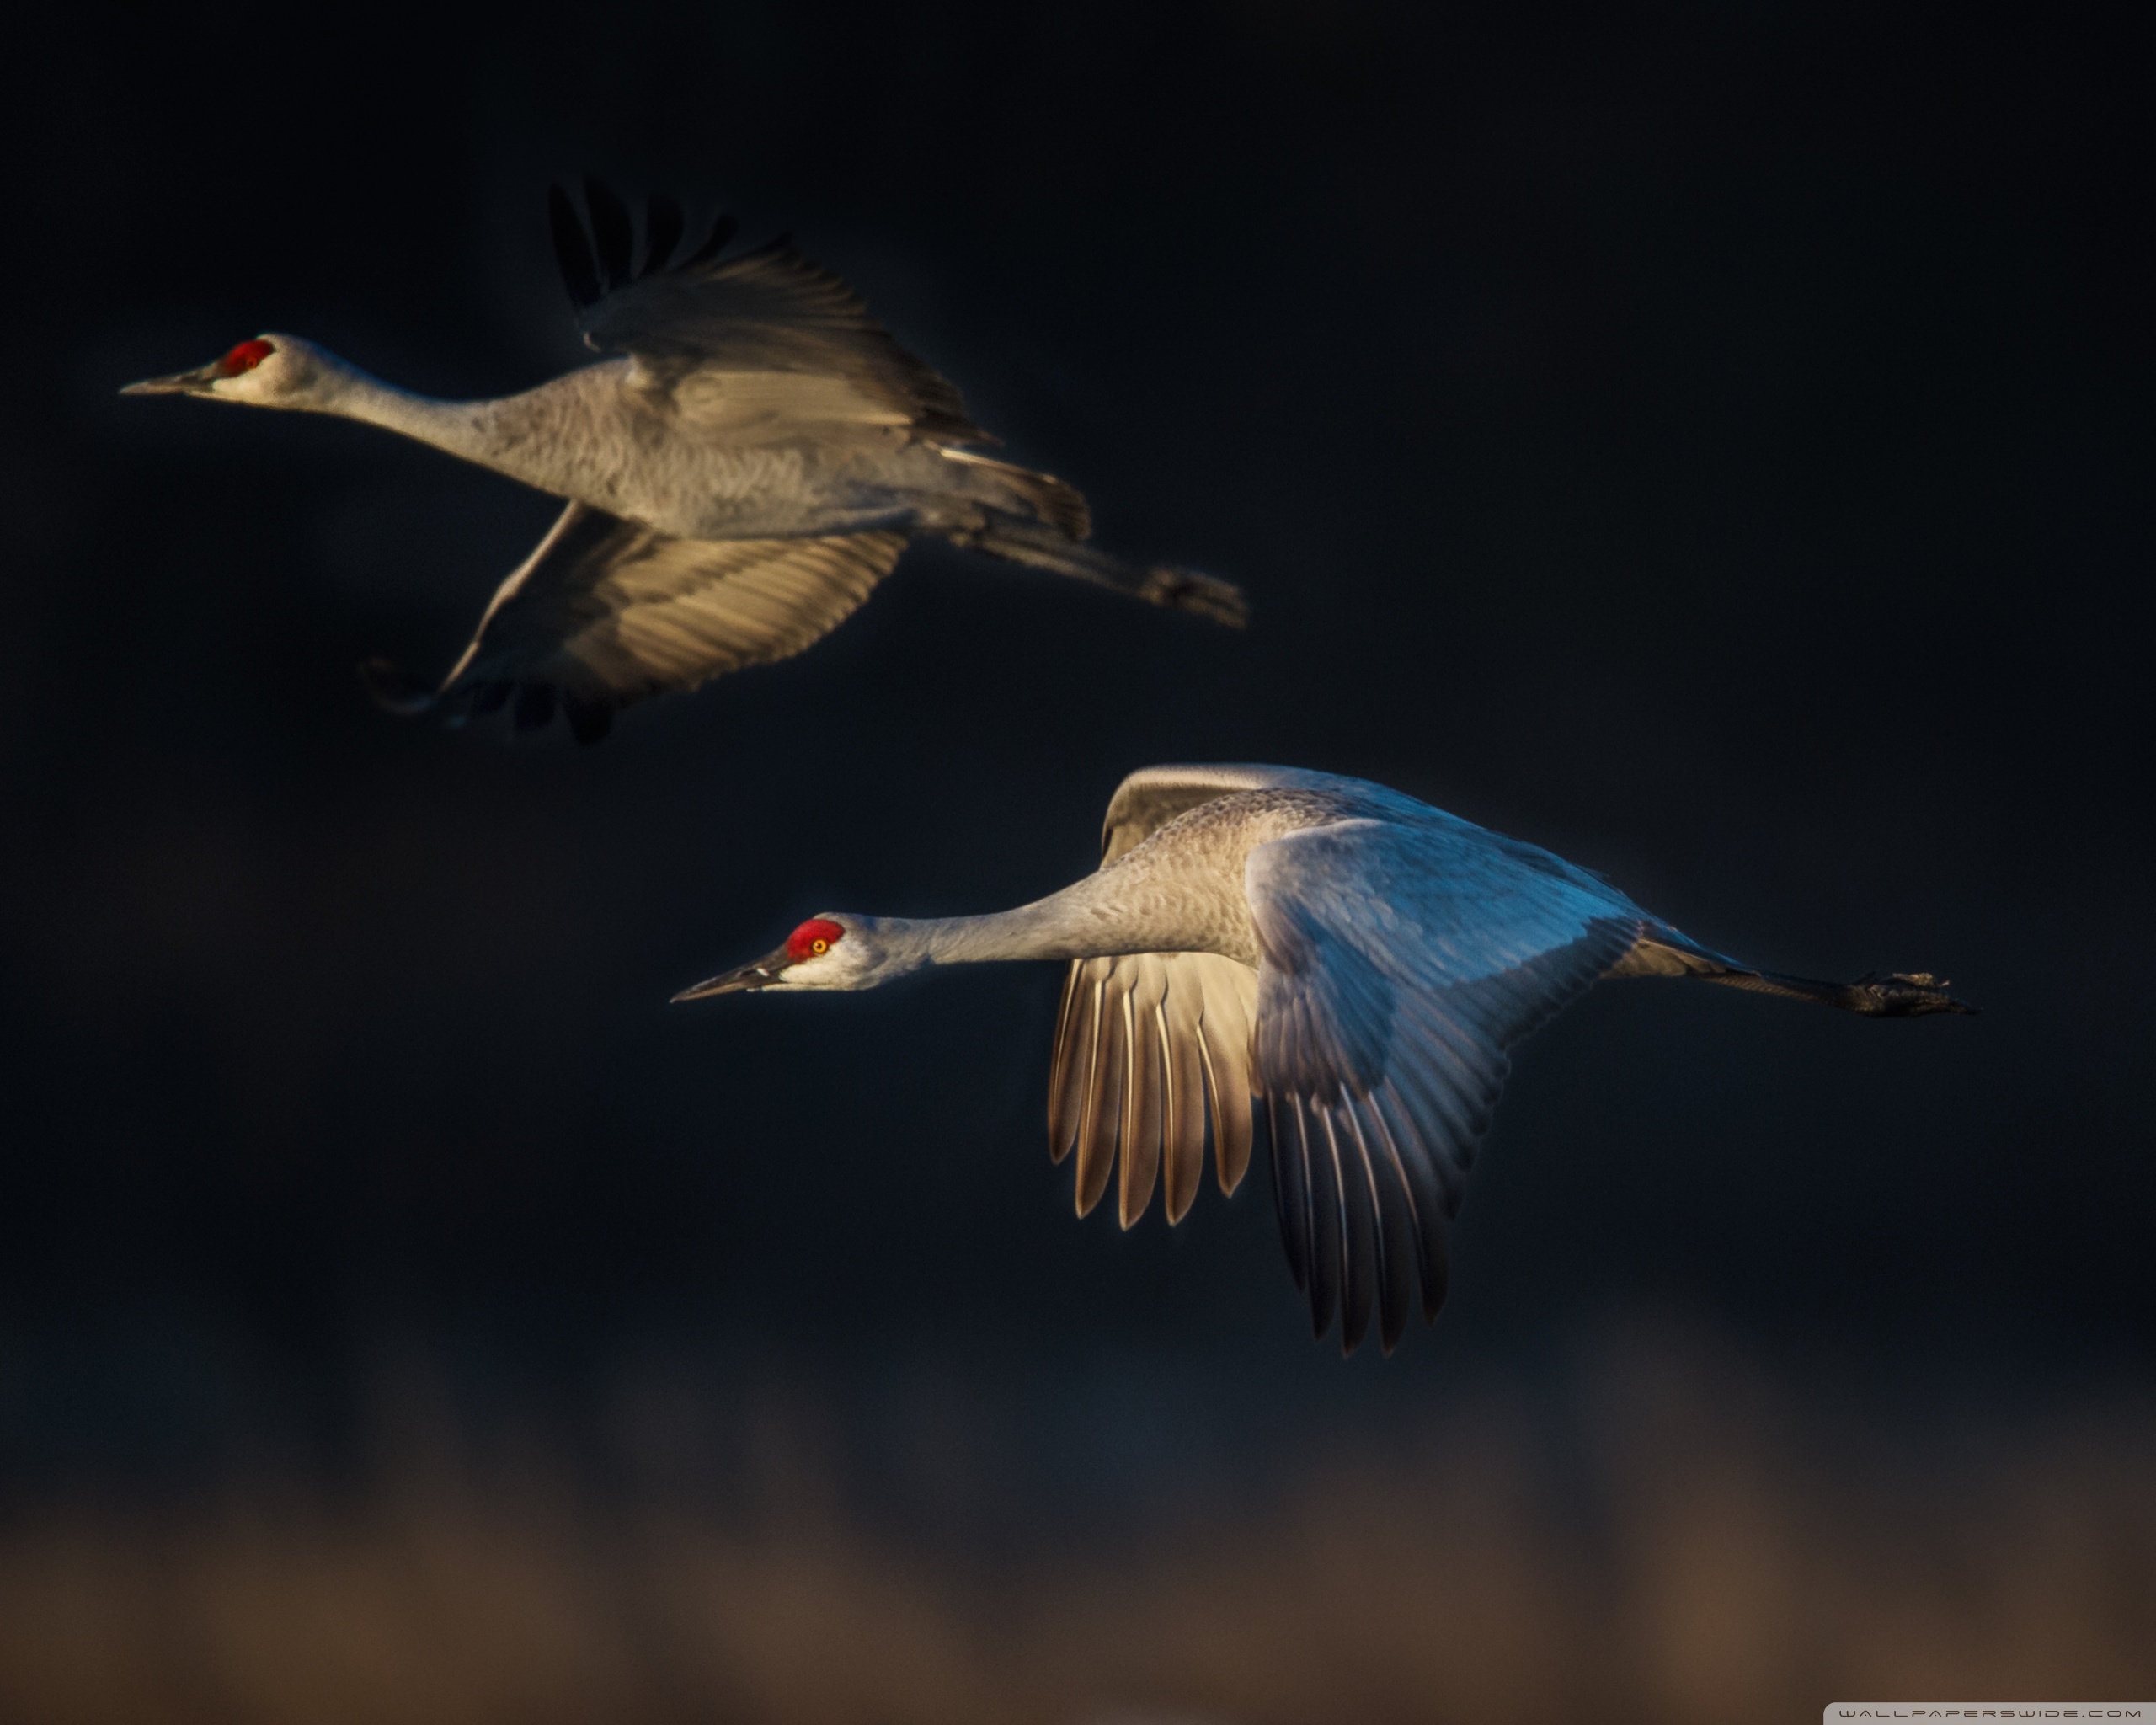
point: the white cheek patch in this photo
(822, 969)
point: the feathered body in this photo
(740, 472)
(714, 457)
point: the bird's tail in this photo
(1043, 496)
(1662, 951)
(1894, 994)
(1042, 547)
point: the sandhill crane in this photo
(1359, 959)
(740, 472)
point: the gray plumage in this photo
(1355, 960)
(741, 469)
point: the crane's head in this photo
(266, 372)
(836, 950)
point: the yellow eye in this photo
(820, 946)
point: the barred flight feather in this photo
(1152, 1049)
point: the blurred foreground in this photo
(1656, 1530)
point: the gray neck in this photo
(461, 428)
(1116, 911)
(564, 437)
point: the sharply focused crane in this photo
(1359, 959)
(741, 471)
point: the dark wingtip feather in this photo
(1397, 1298)
(722, 231)
(662, 227)
(590, 720)
(612, 229)
(1362, 1249)
(1288, 1205)
(571, 250)
(1328, 1271)
(534, 707)
(1437, 1277)
(395, 691)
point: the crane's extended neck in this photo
(1037, 931)
(468, 429)
(1119, 910)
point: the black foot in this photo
(1903, 995)
(1205, 595)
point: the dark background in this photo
(1708, 441)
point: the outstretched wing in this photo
(1153, 796)
(1400, 961)
(766, 327)
(605, 612)
(1149, 1046)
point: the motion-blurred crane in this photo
(1359, 959)
(742, 470)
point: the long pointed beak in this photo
(762, 973)
(193, 382)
